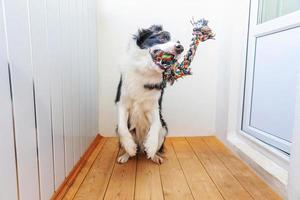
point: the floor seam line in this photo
(205, 169)
(136, 163)
(161, 184)
(90, 167)
(228, 169)
(111, 174)
(182, 169)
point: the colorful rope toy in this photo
(174, 70)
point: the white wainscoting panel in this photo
(67, 84)
(48, 93)
(19, 57)
(41, 70)
(56, 68)
(8, 180)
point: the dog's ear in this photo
(156, 28)
(141, 36)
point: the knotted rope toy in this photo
(174, 70)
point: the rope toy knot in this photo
(174, 70)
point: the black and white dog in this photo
(140, 91)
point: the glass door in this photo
(273, 64)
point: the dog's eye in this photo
(167, 37)
(155, 51)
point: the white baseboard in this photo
(275, 175)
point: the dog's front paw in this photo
(129, 145)
(123, 158)
(151, 147)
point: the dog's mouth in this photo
(163, 55)
(163, 59)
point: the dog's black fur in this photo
(118, 96)
(147, 38)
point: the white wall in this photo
(48, 93)
(189, 106)
(231, 67)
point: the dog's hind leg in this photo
(157, 159)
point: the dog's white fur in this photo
(140, 105)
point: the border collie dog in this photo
(141, 127)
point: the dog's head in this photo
(155, 38)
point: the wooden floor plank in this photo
(173, 180)
(200, 183)
(148, 183)
(122, 182)
(84, 171)
(251, 182)
(95, 183)
(229, 187)
(193, 168)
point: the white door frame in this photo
(294, 173)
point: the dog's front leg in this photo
(126, 139)
(151, 142)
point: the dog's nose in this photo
(179, 48)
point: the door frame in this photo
(282, 23)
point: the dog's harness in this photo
(156, 86)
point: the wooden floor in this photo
(194, 168)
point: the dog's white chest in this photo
(140, 102)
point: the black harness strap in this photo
(156, 86)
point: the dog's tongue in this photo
(167, 57)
